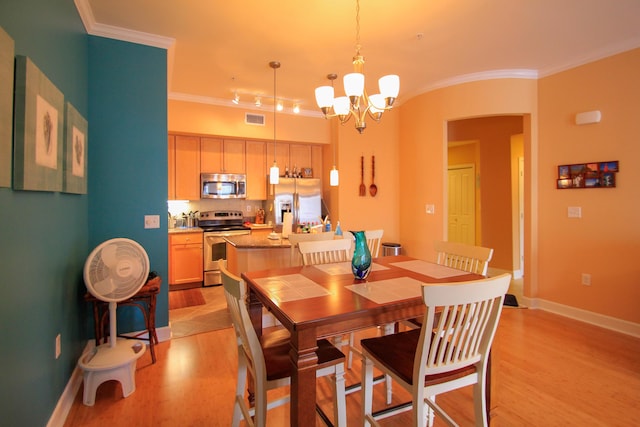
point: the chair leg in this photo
(367, 390)
(339, 399)
(480, 402)
(241, 386)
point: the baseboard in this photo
(65, 402)
(607, 322)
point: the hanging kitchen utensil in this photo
(363, 188)
(373, 189)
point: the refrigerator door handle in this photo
(296, 208)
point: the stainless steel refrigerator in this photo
(300, 196)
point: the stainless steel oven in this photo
(217, 225)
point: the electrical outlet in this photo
(152, 221)
(248, 208)
(430, 209)
(58, 346)
(586, 279)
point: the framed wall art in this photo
(7, 49)
(38, 132)
(75, 152)
(587, 175)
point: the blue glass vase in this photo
(361, 261)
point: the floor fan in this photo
(114, 271)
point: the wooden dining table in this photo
(323, 301)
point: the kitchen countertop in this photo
(259, 241)
(185, 230)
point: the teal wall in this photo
(128, 153)
(45, 237)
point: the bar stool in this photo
(144, 299)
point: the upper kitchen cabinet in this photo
(256, 170)
(299, 156)
(184, 167)
(281, 156)
(316, 160)
(222, 155)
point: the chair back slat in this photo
(473, 259)
(459, 324)
(325, 251)
(296, 238)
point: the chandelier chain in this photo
(358, 27)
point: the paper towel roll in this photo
(287, 222)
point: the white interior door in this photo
(462, 204)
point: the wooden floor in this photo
(547, 371)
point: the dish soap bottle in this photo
(338, 229)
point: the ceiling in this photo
(217, 47)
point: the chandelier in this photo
(357, 103)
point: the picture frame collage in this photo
(50, 136)
(588, 175)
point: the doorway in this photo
(487, 143)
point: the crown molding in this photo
(593, 56)
(96, 29)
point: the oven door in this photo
(215, 248)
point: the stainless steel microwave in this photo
(223, 186)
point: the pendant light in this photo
(274, 172)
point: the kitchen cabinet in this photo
(317, 161)
(256, 170)
(299, 156)
(281, 156)
(222, 155)
(185, 258)
(184, 167)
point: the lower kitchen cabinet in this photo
(185, 258)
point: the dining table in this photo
(322, 301)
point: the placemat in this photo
(429, 269)
(292, 287)
(338, 268)
(389, 290)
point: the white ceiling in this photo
(217, 47)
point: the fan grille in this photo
(116, 270)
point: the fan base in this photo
(105, 363)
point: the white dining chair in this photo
(448, 352)
(296, 238)
(324, 251)
(266, 359)
(374, 241)
(473, 259)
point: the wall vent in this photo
(254, 119)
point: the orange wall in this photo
(605, 242)
(379, 140)
(423, 139)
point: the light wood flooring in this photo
(547, 371)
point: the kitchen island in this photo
(256, 252)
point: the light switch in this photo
(152, 221)
(430, 209)
(574, 212)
